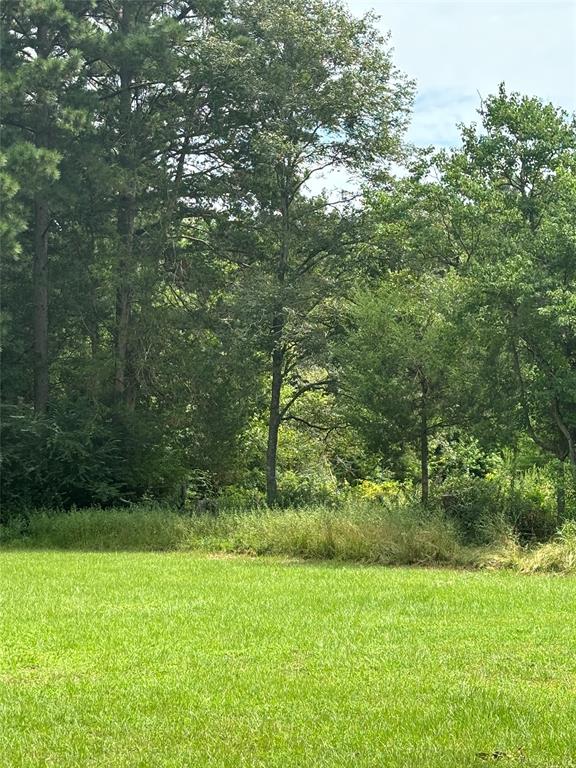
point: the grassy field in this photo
(177, 660)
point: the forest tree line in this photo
(185, 313)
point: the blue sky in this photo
(461, 50)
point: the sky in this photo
(460, 50)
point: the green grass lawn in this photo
(157, 660)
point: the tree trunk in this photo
(424, 446)
(572, 457)
(561, 493)
(40, 259)
(275, 415)
(125, 217)
(40, 291)
(124, 291)
(274, 420)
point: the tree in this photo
(43, 68)
(157, 127)
(499, 212)
(135, 132)
(323, 94)
(401, 366)
(524, 165)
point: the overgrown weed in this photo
(395, 534)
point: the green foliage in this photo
(390, 536)
(386, 492)
(486, 494)
(188, 319)
(70, 457)
(401, 341)
(78, 455)
(480, 242)
(529, 501)
(474, 504)
(240, 498)
(395, 535)
(519, 178)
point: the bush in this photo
(531, 506)
(481, 507)
(304, 488)
(236, 498)
(82, 454)
(473, 504)
(67, 457)
(386, 491)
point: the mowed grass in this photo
(172, 659)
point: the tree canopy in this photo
(185, 313)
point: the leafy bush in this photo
(234, 497)
(473, 504)
(68, 457)
(82, 454)
(302, 488)
(531, 505)
(527, 484)
(482, 506)
(385, 491)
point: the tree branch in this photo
(308, 387)
(298, 419)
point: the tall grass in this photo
(557, 555)
(372, 534)
(368, 533)
(141, 529)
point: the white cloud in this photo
(459, 51)
(462, 49)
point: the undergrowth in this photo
(370, 533)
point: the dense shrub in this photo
(236, 498)
(312, 487)
(473, 504)
(480, 507)
(386, 491)
(70, 456)
(531, 506)
(80, 454)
